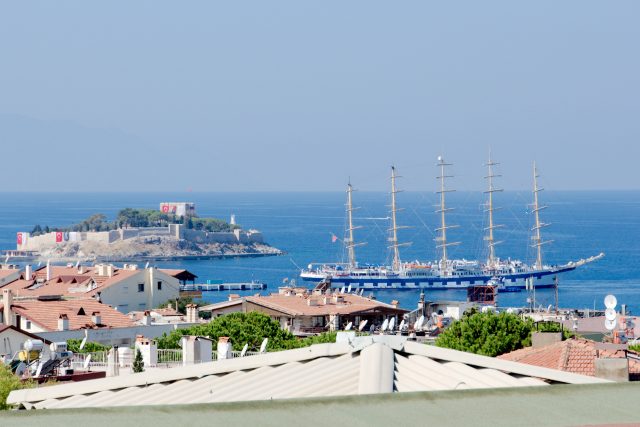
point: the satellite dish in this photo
(86, 362)
(419, 323)
(263, 347)
(439, 158)
(610, 324)
(610, 314)
(342, 290)
(349, 289)
(349, 326)
(549, 308)
(610, 301)
(385, 325)
(362, 325)
(361, 291)
(244, 350)
(392, 323)
(146, 265)
(401, 327)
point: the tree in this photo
(89, 347)
(242, 328)
(487, 333)
(138, 363)
(9, 382)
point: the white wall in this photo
(124, 295)
(115, 336)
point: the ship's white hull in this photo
(541, 279)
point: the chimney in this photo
(96, 318)
(7, 300)
(192, 313)
(48, 270)
(146, 319)
(28, 272)
(63, 322)
(224, 348)
(395, 303)
(81, 269)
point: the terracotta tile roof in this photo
(297, 305)
(23, 332)
(6, 272)
(66, 281)
(46, 313)
(577, 356)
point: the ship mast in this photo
(537, 239)
(442, 239)
(349, 241)
(491, 243)
(393, 239)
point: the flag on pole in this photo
(19, 238)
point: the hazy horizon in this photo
(155, 96)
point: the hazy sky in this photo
(300, 95)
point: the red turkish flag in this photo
(19, 238)
(58, 236)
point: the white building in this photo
(126, 289)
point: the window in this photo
(28, 324)
(159, 285)
(140, 287)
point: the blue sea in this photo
(582, 224)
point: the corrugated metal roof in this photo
(364, 366)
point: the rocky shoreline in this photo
(154, 248)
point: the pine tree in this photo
(138, 363)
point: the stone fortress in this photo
(177, 232)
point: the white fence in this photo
(167, 358)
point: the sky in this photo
(303, 96)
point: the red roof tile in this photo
(46, 313)
(573, 355)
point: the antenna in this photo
(491, 243)
(442, 239)
(538, 242)
(349, 241)
(393, 238)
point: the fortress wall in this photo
(48, 240)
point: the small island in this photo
(172, 232)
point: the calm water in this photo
(583, 224)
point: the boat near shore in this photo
(445, 273)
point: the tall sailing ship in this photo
(444, 273)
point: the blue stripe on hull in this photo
(513, 280)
